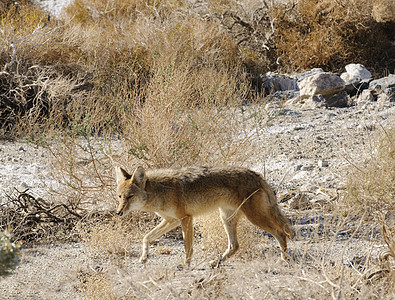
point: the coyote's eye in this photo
(130, 197)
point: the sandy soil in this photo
(309, 150)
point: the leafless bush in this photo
(35, 220)
(32, 219)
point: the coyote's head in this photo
(131, 190)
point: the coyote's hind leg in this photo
(229, 219)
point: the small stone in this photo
(307, 168)
(323, 163)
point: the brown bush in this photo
(331, 34)
(297, 35)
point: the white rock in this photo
(354, 71)
(322, 83)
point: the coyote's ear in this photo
(121, 175)
(139, 177)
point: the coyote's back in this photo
(179, 194)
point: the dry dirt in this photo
(306, 151)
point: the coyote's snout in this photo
(177, 195)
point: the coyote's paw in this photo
(143, 259)
(285, 257)
(216, 263)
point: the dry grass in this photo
(115, 237)
(371, 192)
(383, 11)
(372, 186)
(97, 286)
(320, 268)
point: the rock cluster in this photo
(317, 88)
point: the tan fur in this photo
(177, 195)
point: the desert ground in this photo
(301, 151)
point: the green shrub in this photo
(9, 253)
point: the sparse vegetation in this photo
(372, 186)
(371, 192)
(164, 84)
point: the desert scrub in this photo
(9, 253)
(371, 193)
(288, 36)
(327, 34)
(371, 187)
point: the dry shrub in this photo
(35, 220)
(97, 286)
(383, 11)
(30, 37)
(115, 237)
(372, 187)
(329, 34)
(186, 108)
(36, 77)
(297, 35)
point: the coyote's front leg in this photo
(165, 226)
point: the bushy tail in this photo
(278, 218)
(282, 223)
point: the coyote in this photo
(177, 195)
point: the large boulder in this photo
(326, 84)
(355, 72)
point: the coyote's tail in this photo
(282, 223)
(279, 220)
